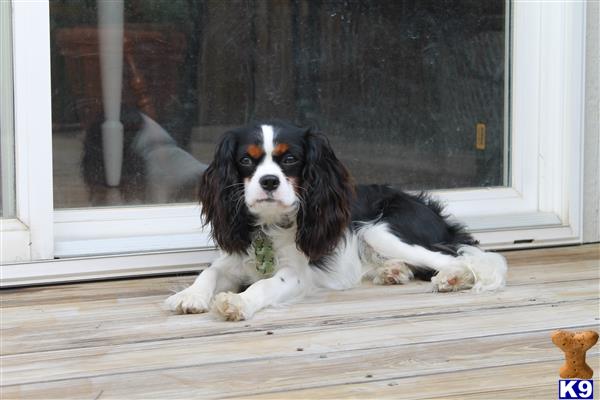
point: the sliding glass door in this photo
(422, 95)
(412, 94)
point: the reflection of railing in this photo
(110, 29)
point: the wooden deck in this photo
(114, 340)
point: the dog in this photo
(289, 219)
(156, 168)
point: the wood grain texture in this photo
(115, 340)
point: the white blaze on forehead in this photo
(254, 191)
(268, 138)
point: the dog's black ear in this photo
(328, 191)
(222, 197)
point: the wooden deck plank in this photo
(482, 383)
(94, 291)
(523, 269)
(284, 342)
(108, 322)
(163, 286)
(388, 376)
(396, 296)
(545, 256)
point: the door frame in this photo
(29, 235)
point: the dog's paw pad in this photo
(230, 307)
(393, 273)
(187, 302)
(452, 281)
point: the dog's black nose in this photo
(269, 182)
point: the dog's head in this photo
(276, 173)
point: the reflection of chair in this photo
(139, 86)
(151, 54)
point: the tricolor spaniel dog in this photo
(289, 219)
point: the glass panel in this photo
(411, 93)
(7, 157)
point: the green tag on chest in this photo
(264, 253)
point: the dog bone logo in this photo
(574, 345)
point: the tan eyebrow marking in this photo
(255, 151)
(280, 149)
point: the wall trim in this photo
(591, 148)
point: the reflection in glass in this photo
(411, 93)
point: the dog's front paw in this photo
(188, 301)
(231, 307)
(452, 281)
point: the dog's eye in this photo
(289, 160)
(246, 161)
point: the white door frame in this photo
(591, 185)
(542, 206)
(29, 236)
(545, 200)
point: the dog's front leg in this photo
(218, 277)
(284, 286)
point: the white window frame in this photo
(542, 206)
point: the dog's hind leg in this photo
(471, 268)
(392, 272)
